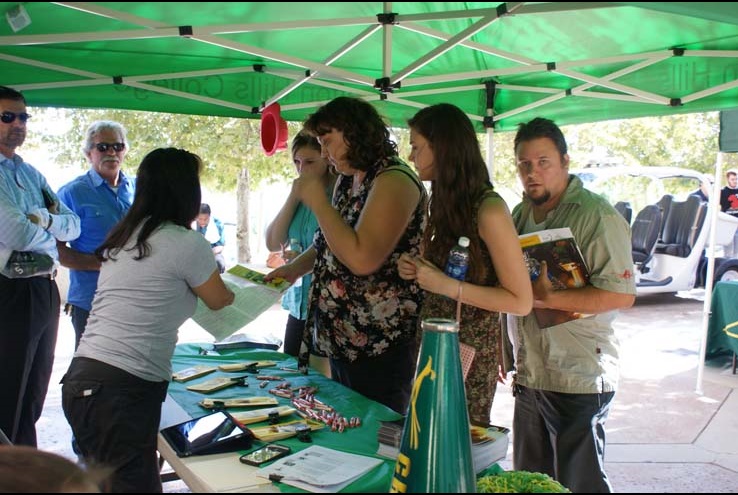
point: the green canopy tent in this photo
(502, 63)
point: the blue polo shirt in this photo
(99, 208)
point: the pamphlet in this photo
(319, 469)
(192, 373)
(565, 265)
(253, 297)
(489, 444)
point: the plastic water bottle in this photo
(458, 259)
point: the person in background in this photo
(729, 205)
(445, 151)
(154, 267)
(361, 314)
(26, 469)
(729, 193)
(213, 232)
(566, 375)
(702, 192)
(31, 221)
(100, 197)
(292, 231)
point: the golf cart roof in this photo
(592, 174)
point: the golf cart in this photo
(669, 224)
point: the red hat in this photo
(274, 133)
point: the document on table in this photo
(225, 473)
(320, 469)
(253, 297)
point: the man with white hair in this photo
(101, 197)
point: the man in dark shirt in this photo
(729, 194)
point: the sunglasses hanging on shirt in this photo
(9, 117)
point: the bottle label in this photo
(456, 271)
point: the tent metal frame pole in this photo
(714, 202)
(312, 77)
(711, 91)
(444, 47)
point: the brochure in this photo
(489, 444)
(319, 469)
(565, 264)
(253, 297)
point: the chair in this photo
(644, 235)
(625, 209)
(682, 226)
(665, 204)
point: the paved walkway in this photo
(662, 435)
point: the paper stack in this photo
(487, 448)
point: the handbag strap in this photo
(458, 304)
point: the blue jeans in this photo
(79, 322)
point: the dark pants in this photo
(115, 419)
(293, 335)
(29, 322)
(79, 322)
(387, 378)
(562, 435)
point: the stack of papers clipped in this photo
(319, 469)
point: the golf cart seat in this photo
(665, 204)
(645, 234)
(681, 226)
(625, 209)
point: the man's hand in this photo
(40, 217)
(542, 286)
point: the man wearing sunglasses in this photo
(101, 197)
(31, 221)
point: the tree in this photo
(229, 148)
(685, 140)
(234, 161)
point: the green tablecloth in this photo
(723, 327)
(361, 440)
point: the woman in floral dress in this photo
(361, 314)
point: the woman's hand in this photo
(406, 267)
(287, 272)
(309, 188)
(432, 279)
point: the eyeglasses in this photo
(103, 147)
(9, 117)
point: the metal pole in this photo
(714, 202)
